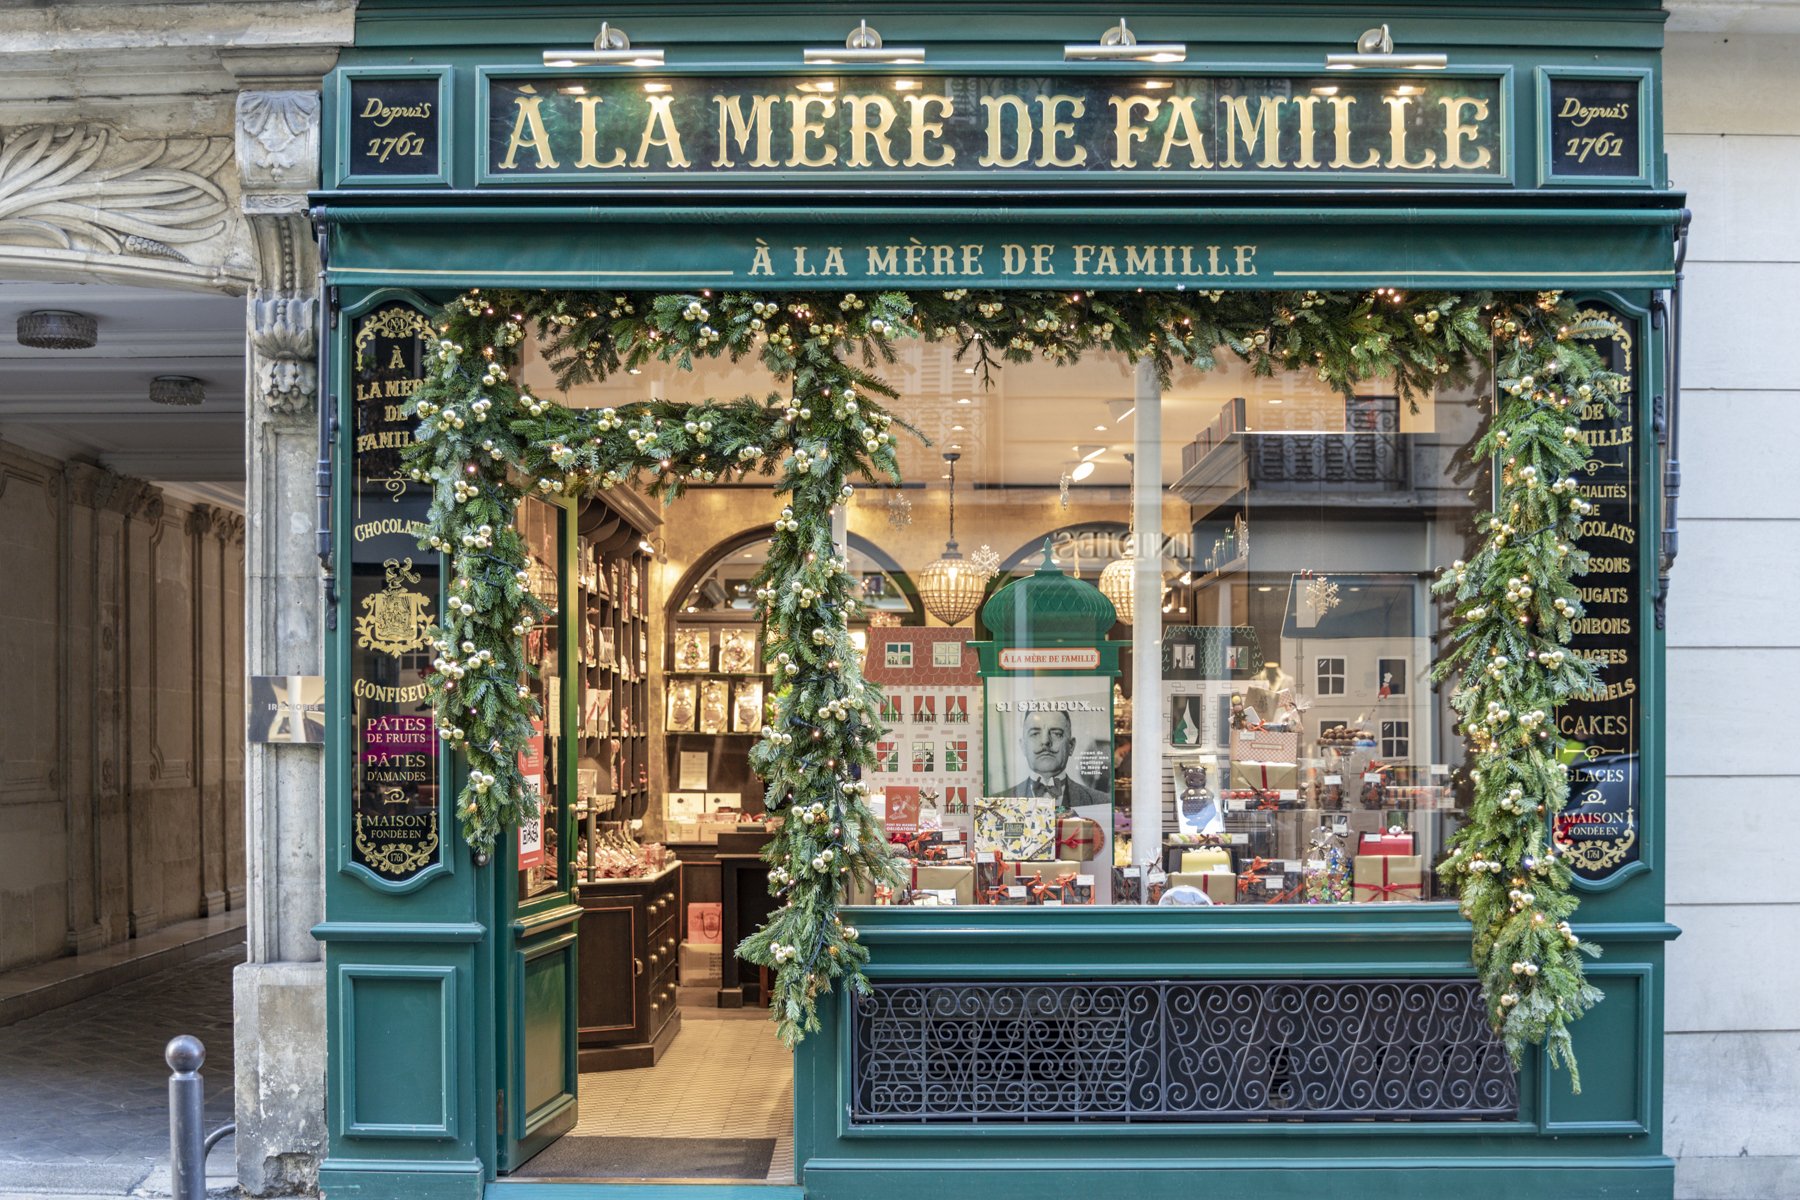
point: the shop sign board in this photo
(604, 127)
(1600, 830)
(393, 596)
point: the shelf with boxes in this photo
(715, 701)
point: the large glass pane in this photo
(1196, 669)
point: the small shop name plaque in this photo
(609, 127)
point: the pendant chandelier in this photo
(951, 588)
(1116, 579)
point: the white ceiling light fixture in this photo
(1375, 48)
(612, 48)
(1119, 44)
(1081, 470)
(864, 45)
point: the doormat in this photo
(575, 1157)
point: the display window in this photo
(1268, 543)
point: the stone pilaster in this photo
(280, 990)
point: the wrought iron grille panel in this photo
(1188, 1050)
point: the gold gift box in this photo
(1253, 775)
(947, 877)
(1193, 862)
(1383, 877)
(1220, 886)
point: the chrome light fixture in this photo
(57, 329)
(178, 391)
(951, 588)
(611, 49)
(1375, 48)
(863, 46)
(1119, 44)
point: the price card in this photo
(1371, 776)
(1275, 883)
(1334, 781)
(1439, 769)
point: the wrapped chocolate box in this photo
(1387, 877)
(1220, 886)
(1270, 745)
(1194, 861)
(957, 879)
(1264, 775)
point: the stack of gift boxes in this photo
(1022, 854)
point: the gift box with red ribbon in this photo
(1264, 775)
(1079, 838)
(1386, 843)
(1387, 877)
(1272, 745)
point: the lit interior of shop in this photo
(1296, 749)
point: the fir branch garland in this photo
(484, 442)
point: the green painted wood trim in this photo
(547, 919)
(539, 1189)
(401, 1179)
(1409, 212)
(382, 931)
(1281, 1179)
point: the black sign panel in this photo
(394, 127)
(1599, 829)
(1596, 128)
(605, 128)
(393, 599)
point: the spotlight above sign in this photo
(1375, 48)
(1119, 44)
(864, 45)
(612, 48)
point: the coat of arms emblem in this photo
(395, 620)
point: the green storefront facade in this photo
(458, 154)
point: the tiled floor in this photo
(86, 1085)
(725, 1076)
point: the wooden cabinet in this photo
(631, 931)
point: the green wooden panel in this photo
(401, 1061)
(1616, 1037)
(546, 986)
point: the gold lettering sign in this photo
(547, 127)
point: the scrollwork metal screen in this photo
(1313, 1050)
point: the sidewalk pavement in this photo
(84, 1099)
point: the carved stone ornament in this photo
(284, 334)
(278, 140)
(84, 191)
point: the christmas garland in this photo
(484, 442)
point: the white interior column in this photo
(1146, 632)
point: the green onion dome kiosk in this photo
(1340, 353)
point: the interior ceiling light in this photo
(1375, 48)
(611, 49)
(57, 329)
(179, 391)
(1081, 471)
(1119, 44)
(863, 46)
